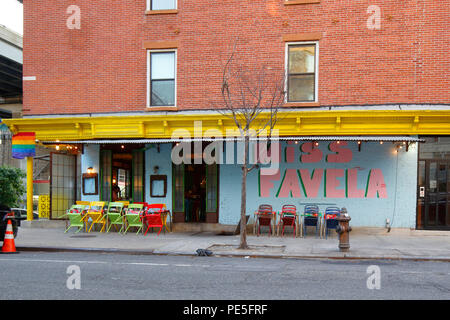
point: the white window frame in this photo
(149, 89)
(149, 6)
(316, 70)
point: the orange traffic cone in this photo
(8, 242)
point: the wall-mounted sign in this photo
(158, 186)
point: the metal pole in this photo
(29, 188)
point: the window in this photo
(162, 4)
(301, 62)
(162, 78)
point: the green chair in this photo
(133, 217)
(114, 215)
(75, 217)
(75, 221)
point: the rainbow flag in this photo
(23, 145)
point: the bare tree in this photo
(251, 98)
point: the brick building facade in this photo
(370, 72)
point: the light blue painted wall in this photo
(400, 175)
(91, 158)
(400, 178)
(163, 161)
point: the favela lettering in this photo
(336, 183)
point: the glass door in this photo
(212, 214)
(178, 193)
(105, 175)
(138, 175)
(434, 194)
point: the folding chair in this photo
(75, 217)
(311, 218)
(133, 217)
(153, 221)
(329, 218)
(161, 209)
(114, 215)
(288, 217)
(95, 214)
(264, 217)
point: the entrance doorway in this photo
(433, 204)
(195, 193)
(122, 173)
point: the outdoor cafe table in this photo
(164, 215)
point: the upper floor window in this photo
(162, 4)
(301, 71)
(162, 76)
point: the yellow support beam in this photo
(290, 123)
(29, 188)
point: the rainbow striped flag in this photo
(24, 145)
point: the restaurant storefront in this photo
(387, 177)
(373, 177)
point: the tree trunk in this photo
(243, 241)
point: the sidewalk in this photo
(367, 243)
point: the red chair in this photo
(288, 217)
(162, 210)
(156, 208)
(264, 217)
(153, 221)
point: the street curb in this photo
(230, 255)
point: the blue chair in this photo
(311, 218)
(329, 218)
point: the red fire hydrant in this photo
(343, 230)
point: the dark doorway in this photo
(122, 172)
(195, 193)
(195, 189)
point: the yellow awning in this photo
(290, 123)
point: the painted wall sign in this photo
(321, 182)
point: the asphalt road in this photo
(39, 275)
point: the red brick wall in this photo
(102, 67)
